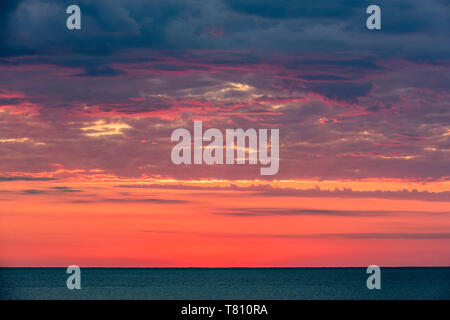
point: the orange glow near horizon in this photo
(98, 223)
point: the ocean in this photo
(225, 283)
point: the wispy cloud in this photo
(346, 235)
(271, 191)
(24, 178)
(267, 212)
(131, 200)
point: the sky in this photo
(86, 117)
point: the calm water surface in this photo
(234, 283)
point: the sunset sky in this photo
(86, 117)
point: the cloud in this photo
(349, 193)
(100, 128)
(409, 29)
(270, 191)
(52, 190)
(33, 191)
(336, 236)
(285, 9)
(137, 200)
(160, 231)
(265, 212)
(100, 71)
(369, 235)
(24, 178)
(350, 104)
(345, 91)
(65, 189)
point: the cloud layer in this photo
(350, 103)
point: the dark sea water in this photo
(235, 283)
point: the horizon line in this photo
(143, 267)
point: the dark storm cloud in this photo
(322, 77)
(100, 71)
(343, 91)
(344, 62)
(38, 26)
(294, 8)
(290, 26)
